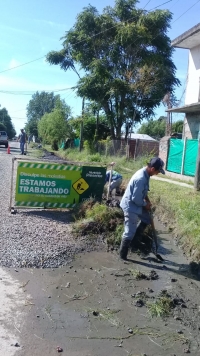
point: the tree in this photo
(156, 128)
(40, 104)
(177, 126)
(6, 122)
(2, 127)
(65, 60)
(54, 127)
(90, 127)
(127, 57)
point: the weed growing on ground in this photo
(108, 315)
(177, 206)
(161, 308)
(115, 238)
(95, 218)
(81, 209)
(138, 275)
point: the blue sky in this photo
(30, 29)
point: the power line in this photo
(37, 59)
(23, 64)
(186, 11)
(73, 88)
(24, 92)
(30, 93)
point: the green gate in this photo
(182, 156)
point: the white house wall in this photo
(191, 125)
(193, 80)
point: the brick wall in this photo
(163, 148)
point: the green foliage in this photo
(177, 126)
(6, 123)
(53, 128)
(81, 209)
(176, 206)
(39, 105)
(95, 218)
(126, 78)
(89, 127)
(179, 207)
(154, 128)
(88, 146)
(95, 158)
(114, 239)
(2, 127)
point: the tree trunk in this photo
(109, 115)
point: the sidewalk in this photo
(173, 182)
(186, 185)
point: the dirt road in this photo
(98, 305)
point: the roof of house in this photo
(188, 39)
(137, 136)
(195, 107)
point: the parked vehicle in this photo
(4, 139)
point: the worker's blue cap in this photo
(158, 164)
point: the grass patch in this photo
(37, 153)
(34, 151)
(161, 308)
(108, 315)
(94, 218)
(177, 206)
(114, 239)
(121, 163)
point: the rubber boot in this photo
(140, 229)
(135, 243)
(123, 252)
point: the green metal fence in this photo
(182, 156)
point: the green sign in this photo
(53, 185)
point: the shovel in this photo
(159, 257)
(110, 178)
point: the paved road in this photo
(12, 297)
(14, 148)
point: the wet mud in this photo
(98, 306)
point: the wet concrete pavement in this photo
(89, 308)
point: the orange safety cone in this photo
(8, 149)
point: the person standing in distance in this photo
(22, 140)
(136, 204)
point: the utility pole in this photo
(197, 172)
(167, 101)
(81, 126)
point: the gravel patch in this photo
(35, 238)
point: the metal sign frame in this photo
(80, 186)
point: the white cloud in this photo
(50, 23)
(8, 82)
(13, 63)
